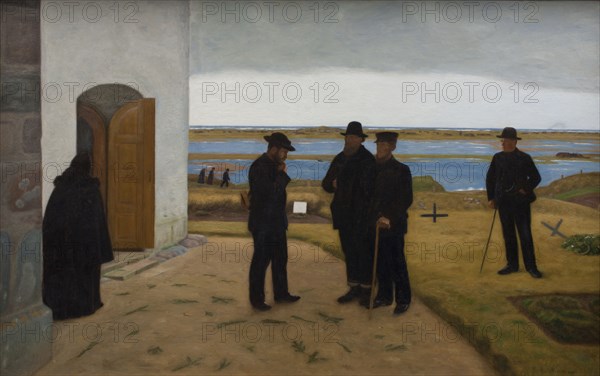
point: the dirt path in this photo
(191, 316)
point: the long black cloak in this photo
(75, 243)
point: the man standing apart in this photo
(268, 222)
(350, 178)
(392, 197)
(510, 181)
(226, 179)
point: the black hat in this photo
(281, 140)
(355, 128)
(510, 133)
(386, 136)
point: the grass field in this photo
(406, 134)
(444, 260)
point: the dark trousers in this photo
(392, 273)
(358, 255)
(225, 183)
(517, 215)
(269, 247)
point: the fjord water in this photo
(455, 164)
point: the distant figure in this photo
(75, 242)
(201, 176)
(226, 179)
(392, 196)
(211, 176)
(350, 178)
(268, 222)
(510, 181)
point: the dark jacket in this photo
(267, 196)
(355, 178)
(509, 173)
(392, 195)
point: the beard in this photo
(351, 149)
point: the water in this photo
(454, 147)
(452, 173)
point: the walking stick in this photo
(488, 241)
(373, 280)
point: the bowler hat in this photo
(281, 140)
(509, 132)
(386, 136)
(354, 128)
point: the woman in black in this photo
(75, 242)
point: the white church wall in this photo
(143, 44)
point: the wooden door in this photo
(131, 175)
(89, 116)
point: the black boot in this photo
(352, 294)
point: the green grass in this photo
(568, 319)
(574, 183)
(577, 192)
(204, 199)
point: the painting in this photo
(338, 187)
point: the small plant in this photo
(298, 346)
(585, 244)
(183, 301)
(154, 350)
(139, 309)
(188, 363)
(314, 357)
(224, 364)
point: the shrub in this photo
(585, 244)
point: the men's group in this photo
(371, 197)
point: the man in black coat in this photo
(392, 196)
(75, 242)
(510, 181)
(226, 179)
(350, 178)
(268, 222)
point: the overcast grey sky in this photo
(388, 47)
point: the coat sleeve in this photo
(533, 176)
(402, 198)
(490, 180)
(332, 172)
(368, 174)
(263, 188)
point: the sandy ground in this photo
(191, 316)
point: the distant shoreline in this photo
(225, 133)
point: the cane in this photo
(373, 280)
(488, 241)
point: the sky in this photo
(532, 65)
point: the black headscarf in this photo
(80, 167)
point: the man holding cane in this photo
(392, 196)
(510, 181)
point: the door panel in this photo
(131, 175)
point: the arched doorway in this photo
(115, 124)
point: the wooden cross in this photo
(555, 229)
(434, 215)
